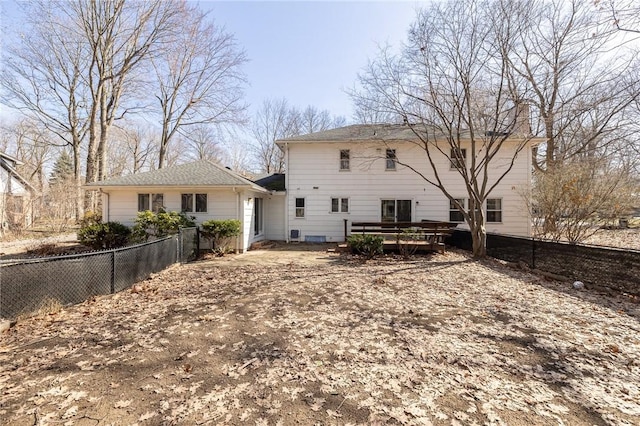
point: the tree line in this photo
(477, 75)
(122, 86)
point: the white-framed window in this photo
(345, 159)
(456, 215)
(258, 216)
(390, 163)
(153, 202)
(339, 205)
(300, 206)
(494, 210)
(458, 158)
(194, 203)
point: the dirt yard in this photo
(309, 337)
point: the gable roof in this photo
(8, 163)
(371, 132)
(357, 132)
(8, 158)
(199, 173)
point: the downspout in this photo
(241, 236)
(287, 189)
(106, 206)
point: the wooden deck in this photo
(419, 236)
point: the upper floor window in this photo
(345, 157)
(339, 205)
(153, 202)
(458, 158)
(300, 207)
(194, 202)
(391, 159)
(456, 215)
(494, 209)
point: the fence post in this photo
(180, 241)
(197, 253)
(113, 271)
(533, 252)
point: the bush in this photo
(160, 224)
(90, 218)
(407, 241)
(367, 245)
(220, 233)
(104, 235)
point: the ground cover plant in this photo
(306, 337)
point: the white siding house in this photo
(201, 189)
(15, 195)
(336, 177)
(349, 174)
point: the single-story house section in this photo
(367, 173)
(201, 189)
(16, 195)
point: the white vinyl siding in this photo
(123, 204)
(312, 175)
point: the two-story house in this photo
(354, 173)
(373, 173)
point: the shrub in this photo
(220, 233)
(367, 245)
(90, 218)
(160, 224)
(104, 235)
(407, 241)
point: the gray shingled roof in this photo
(199, 173)
(357, 132)
(370, 132)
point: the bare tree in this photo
(119, 35)
(133, 149)
(42, 78)
(624, 15)
(75, 62)
(275, 120)
(199, 77)
(452, 88)
(580, 80)
(584, 196)
(577, 86)
(204, 143)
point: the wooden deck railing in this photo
(427, 234)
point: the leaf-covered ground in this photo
(303, 337)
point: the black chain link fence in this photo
(618, 269)
(26, 285)
(189, 244)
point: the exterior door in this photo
(395, 210)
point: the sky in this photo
(310, 52)
(306, 52)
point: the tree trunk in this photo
(479, 241)
(77, 178)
